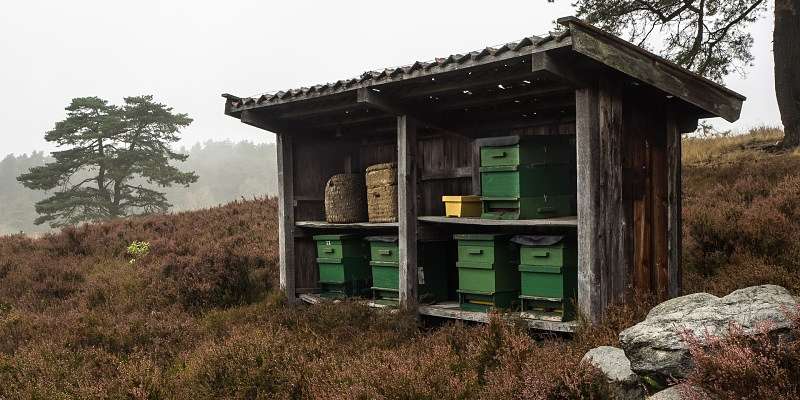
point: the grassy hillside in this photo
(198, 316)
(741, 213)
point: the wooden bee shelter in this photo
(621, 110)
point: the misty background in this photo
(227, 171)
(186, 53)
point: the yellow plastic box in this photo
(462, 206)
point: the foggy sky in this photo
(187, 53)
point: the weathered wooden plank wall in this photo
(602, 225)
(444, 168)
(377, 150)
(637, 184)
(674, 193)
(314, 162)
(626, 225)
(645, 132)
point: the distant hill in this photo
(228, 171)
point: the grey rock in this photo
(672, 393)
(611, 361)
(656, 346)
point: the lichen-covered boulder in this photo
(656, 347)
(677, 392)
(612, 363)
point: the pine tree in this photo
(114, 160)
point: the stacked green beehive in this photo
(343, 268)
(527, 177)
(431, 271)
(487, 272)
(548, 272)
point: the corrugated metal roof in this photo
(419, 68)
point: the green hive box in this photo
(531, 180)
(549, 275)
(343, 267)
(431, 272)
(487, 272)
(527, 177)
(527, 207)
(522, 150)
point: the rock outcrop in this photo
(656, 347)
(671, 393)
(611, 361)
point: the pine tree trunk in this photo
(786, 44)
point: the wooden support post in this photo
(587, 140)
(674, 193)
(602, 221)
(407, 209)
(286, 214)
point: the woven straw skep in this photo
(382, 175)
(345, 200)
(382, 192)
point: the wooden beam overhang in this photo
(254, 118)
(563, 67)
(653, 70)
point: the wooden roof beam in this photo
(313, 111)
(389, 106)
(274, 125)
(465, 83)
(479, 101)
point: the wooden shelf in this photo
(451, 310)
(571, 221)
(355, 225)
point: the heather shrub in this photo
(197, 317)
(52, 372)
(741, 222)
(249, 364)
(527, 369)
(424, 368)
(737, 366)
(214, 276)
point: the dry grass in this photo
(726, 147)
(198, 317)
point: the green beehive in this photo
(487, 273)
(527, 177)
(431, 272)
(549, 275)
(530, 180)
(343, 268)
(516, 150)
